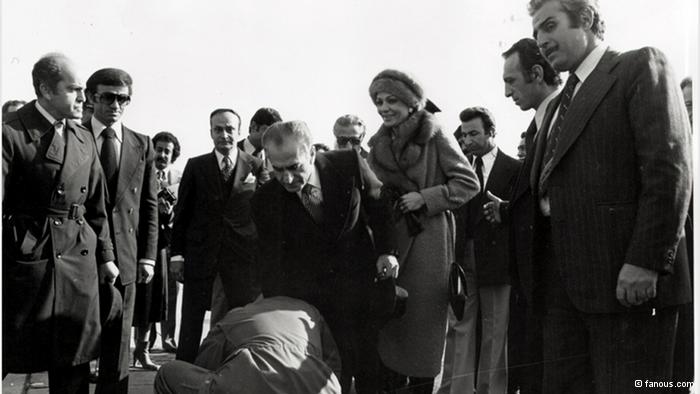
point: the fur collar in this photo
(405, 148)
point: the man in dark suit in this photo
(55, 234)
(132, 207)
(532, 83)
(261, 120)
(486, 260)
(611, 179)
(213, 239)
(349, 131)
(314, 221)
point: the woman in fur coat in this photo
(426, 175)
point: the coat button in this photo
(80, 221)
(135, 189)
(83, 189)
(84, 252)
(131, 230)
(60, 191)
(57, 222)
(58, 255)
(131, 210)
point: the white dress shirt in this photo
(50, 118)
(488, 158)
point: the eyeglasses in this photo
(345, 140)
(107, 98)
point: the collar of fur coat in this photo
(405, 148)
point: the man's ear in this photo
(46, 91)
(537, 73)
(586, 18)
(90, 97)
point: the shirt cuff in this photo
(177, 258)
(147, 262)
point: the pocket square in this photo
(250, 178)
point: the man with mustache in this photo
(611, 178)
(214, 238)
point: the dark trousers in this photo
(70, 380)
(116, 340)
(610, 353)
(524, 346)
(196, 299)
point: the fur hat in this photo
(400, 85)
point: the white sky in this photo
(312, 60)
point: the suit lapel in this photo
(587, 99)
(131, 151)
(522, 182)
(335, 198)
(241, 171)
(212, 174)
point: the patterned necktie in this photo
(109, 160)
(479, 166)
(312, 200)
(555, 132)
(226, 168)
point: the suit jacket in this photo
(302, 259)
(519, 216)
(211, 224)
(55, 233)
(620, 183)
(489, 242)
(134, 211)
(165, 220)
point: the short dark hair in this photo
(48, 70)
(12, 103)
(348, 121)
(573, 9)
(687, 81)
(266, 116)
(482, 113)
(108, 77)
(530, 56)
(222, 110)
(523, 134)
(166, 136)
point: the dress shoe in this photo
(169, 345)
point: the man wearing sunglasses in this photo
(349, 131)
(127, 160)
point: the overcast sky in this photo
(312, 60)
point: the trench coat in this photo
(424, 159)
(55, 233)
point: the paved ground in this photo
(140, 381)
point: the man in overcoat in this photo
(56, 244)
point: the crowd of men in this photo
(578, 271)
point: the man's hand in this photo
(108, 272)
(387, 265)
(492, 209)
(177, 268)
(145, 271)
(411, 201)
(635, 285)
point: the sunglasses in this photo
(345, 140)
(108, 98)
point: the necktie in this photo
(311, 199)
(555, 132)
(226, 168)
(479, 164)
(109, 160)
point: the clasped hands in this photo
(108, 272)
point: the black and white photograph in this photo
(348, 196)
